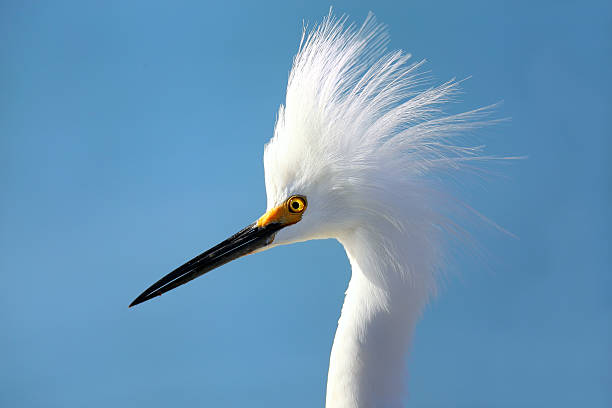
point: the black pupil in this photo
(295, 205)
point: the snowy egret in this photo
(356, 154)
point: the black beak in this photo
(243, 243)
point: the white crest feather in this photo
(358, 116)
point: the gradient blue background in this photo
(131, 136)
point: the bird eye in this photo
(296, 204)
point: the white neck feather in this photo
(368, 358)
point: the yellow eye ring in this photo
(296, 204)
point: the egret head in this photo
(355, 148)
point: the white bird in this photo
(358, 154)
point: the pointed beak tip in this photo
(136, 302)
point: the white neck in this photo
(368, 359)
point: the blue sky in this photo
(131, 136)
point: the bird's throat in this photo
(368, 358)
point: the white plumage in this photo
(357, 155)
(360, 138)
